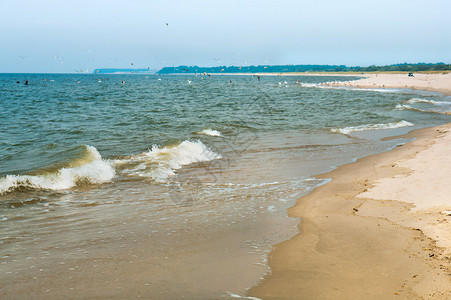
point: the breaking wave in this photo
(420, 100)
(348, 130)
(89, 169)
(408, 107)
(333, 85)
(317, 85)
(210, 132)
(160, 163)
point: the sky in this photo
(40, 36)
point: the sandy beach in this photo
(437, 82)
(380, 228)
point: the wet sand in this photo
(379, 229)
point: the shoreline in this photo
(351, 247)
(357, 242)
(437, 82)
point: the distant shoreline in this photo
(344, 74)
(435, 82)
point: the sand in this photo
(380, 229)
(439, 82)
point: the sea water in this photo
(170, 186)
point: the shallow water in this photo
(172, 186)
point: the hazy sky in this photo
(64, 36)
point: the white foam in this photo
(210, 132)
(311, 85)
(160, 163)
(420, 100)
(348, 130)
(232, 295)
(408, 107)
(94, 170)
(331, 85)
(272, 208)
(384, 90)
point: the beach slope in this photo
(358, 243)
(379, 230)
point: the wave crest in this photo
(160, 163)
(90, 169)
(421, 100)
(408, 107)
(348, 130)
(210, 132)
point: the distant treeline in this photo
(405, 67)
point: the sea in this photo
(173, 186)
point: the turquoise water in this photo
(148, 158)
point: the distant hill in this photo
(405, 67)
(123, 71)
